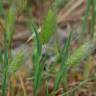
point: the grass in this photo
(5, 72)
(7, 42)
(12, 64)
(38, 66)
(63, 68)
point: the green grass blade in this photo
(1, 59)
(39, 46)
(84, 28)
(47, 89)
(5, 72)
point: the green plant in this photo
(8, 25)
(12, 64)
(63, 68)
(1, 9)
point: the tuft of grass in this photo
(48, 29)
(37, 65)
(81, 53)
(7, 41)
(63, 69)
(16, 62)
